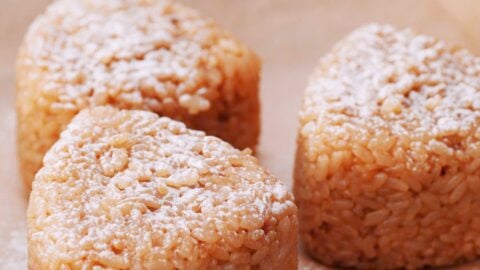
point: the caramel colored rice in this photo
(387, 167)
(152, 55)
(129, 190)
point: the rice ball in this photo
(387, 165)
(125, 189)
(159, 56)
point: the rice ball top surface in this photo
(137, 53)
(379, 82)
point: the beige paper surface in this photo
(289, 35)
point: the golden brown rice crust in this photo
(129, 190)
(158, 56)
(387, 167)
